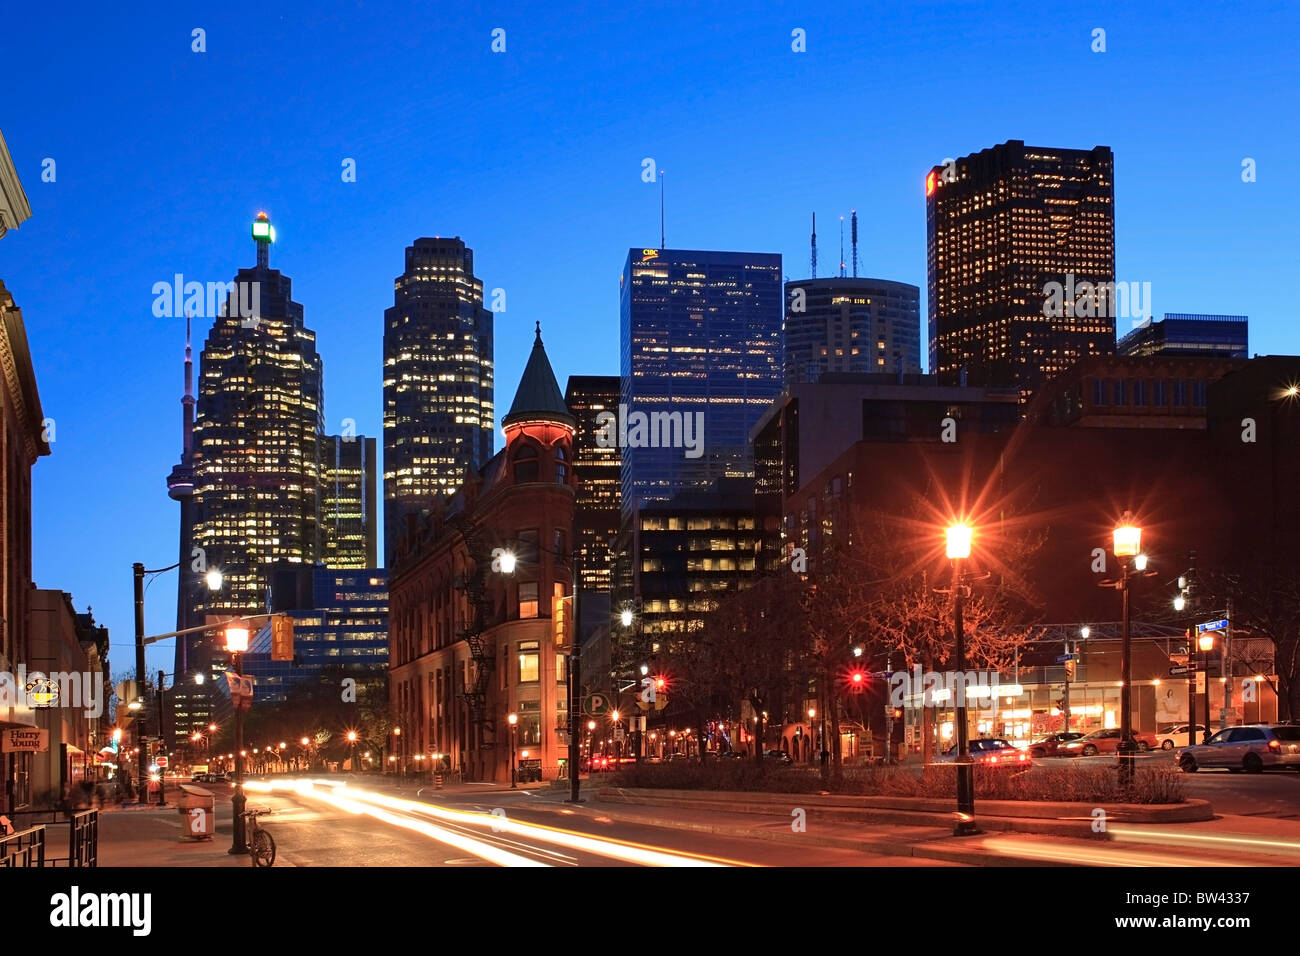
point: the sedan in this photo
(1178, 737)
(1245, 748)
(777, 756)
(1050, 745)
(991, 752)
(1106, 742)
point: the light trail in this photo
(379, 805)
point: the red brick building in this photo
(472, 640)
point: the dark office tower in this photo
(701, 343)
(1218, 336)
(437, 381)
(596, 521)
(851, 325)
(257, 437)
(1003, 225)
(348, 517)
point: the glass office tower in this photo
(701, 344)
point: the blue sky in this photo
(534, 158)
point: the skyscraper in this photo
(437, 381)
(348, 515)
(257, 437)
(596, 520)
(701, 346)
(1002, 225)
(851, 325)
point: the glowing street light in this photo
(508, 561)
(513, 721)
(214, 579)
(626, 617)
(958, 550)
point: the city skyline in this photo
(341, 272)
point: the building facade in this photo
(475, 637)
(257, 438)
(349, 522)
(23, 439)
(598, 465)
(438, 381)
(1209, 336)
(851, 325)
(700, 362)
(1002, 225)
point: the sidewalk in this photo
(135, 835)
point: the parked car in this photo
(777, 756)
(1106, 742)
(991, 752)
(1178, 736)
(732, 755)
(1049, 745)
(1251, 749)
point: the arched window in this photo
(561, 469)
(526, 464)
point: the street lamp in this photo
(1206, 644)
(237, 644)
(1127, 545)
(958, 550)
(513, 720)
(626, 617)
(352, 739)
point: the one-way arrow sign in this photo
(1181, 671)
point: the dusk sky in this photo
(533, 156)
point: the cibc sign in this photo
(24, 740)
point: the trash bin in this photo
(198, 807)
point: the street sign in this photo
(1180, 671)
(596, 705)
(618, 733)
(161, 761)
(1212, 626)
(1063, 658)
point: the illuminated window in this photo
(529, 662)
(528, 599)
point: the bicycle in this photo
(261, 845)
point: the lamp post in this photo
(237, 644)
(1127, 547)
(138, 572)
(1206, 644)
(513, 720)
(958, 550)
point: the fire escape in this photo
(481, 652)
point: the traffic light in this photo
(898, 713)
(857, 681)
(281, 638)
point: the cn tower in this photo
(180, 487)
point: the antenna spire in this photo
(841, 247)
(814, 246)
(855, 243)
(662, 241)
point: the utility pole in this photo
(1226, 665)
(162, 735)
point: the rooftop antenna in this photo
(814, 246)
(855, 243)
(662, 242)
(841, 247)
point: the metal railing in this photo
(23, 848)
(82, 840)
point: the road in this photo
(1274, 793)
(323, 823)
